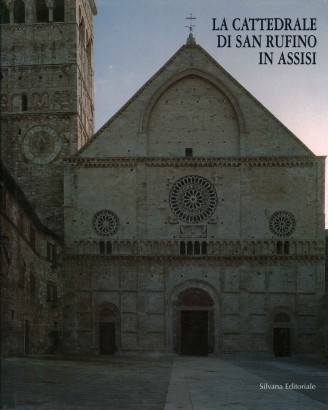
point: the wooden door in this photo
(106, 338)
(194, 332)
(281, 341)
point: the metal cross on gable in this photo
(191, 26)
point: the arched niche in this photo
(107, 328)
(193, 296)
(283, 332)
(194, 113)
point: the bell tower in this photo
(47, 109)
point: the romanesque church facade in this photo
(191, 222)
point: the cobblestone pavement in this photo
(154, 382)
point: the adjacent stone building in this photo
(46, 95)
(46, 115)
(31, 276)
(186, 224)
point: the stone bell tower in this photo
(47, 110)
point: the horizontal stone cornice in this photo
(193, 162)
(22, 67)
(192, 259)
(36, 26)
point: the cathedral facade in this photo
(185, 222)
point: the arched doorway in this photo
(193, 320)
(282, 335)
(108, 319)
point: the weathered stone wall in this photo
(239, 218)
(27, 270)
(46, 70)
(246, 295)
(138, 130)
(132, 248)
(248, 193)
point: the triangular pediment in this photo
(192, 101)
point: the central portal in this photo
(193, 322)
(194, 332)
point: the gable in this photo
(192, 102)
(192, 113)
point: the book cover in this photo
(162, 204)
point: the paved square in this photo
(167, 382)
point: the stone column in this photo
(10, 5)
(50, 5)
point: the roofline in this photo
(184, 46)
(124, 106)
(258, 102)
(204, 76)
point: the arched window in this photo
(4, 14)
(279, 248)
(42, 11)
(196, 248)
(190, 250)
(59, 11)
(102, 248)
(286, 248)
(182, 248)
(24, 102)
(19, 11)
(52, 292)
(109, 247)
(204, 248)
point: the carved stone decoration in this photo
(193, 199)
(105, 222)
(41, 145)
(61, 100)
(193, 231)
(40, 100)
(282, 223)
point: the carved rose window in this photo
(193, 199)
(105, 223)
(282, 223)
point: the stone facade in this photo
(184, 218)
(191, 199)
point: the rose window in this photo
(282, 223)
(193, 199)
(105, 222)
